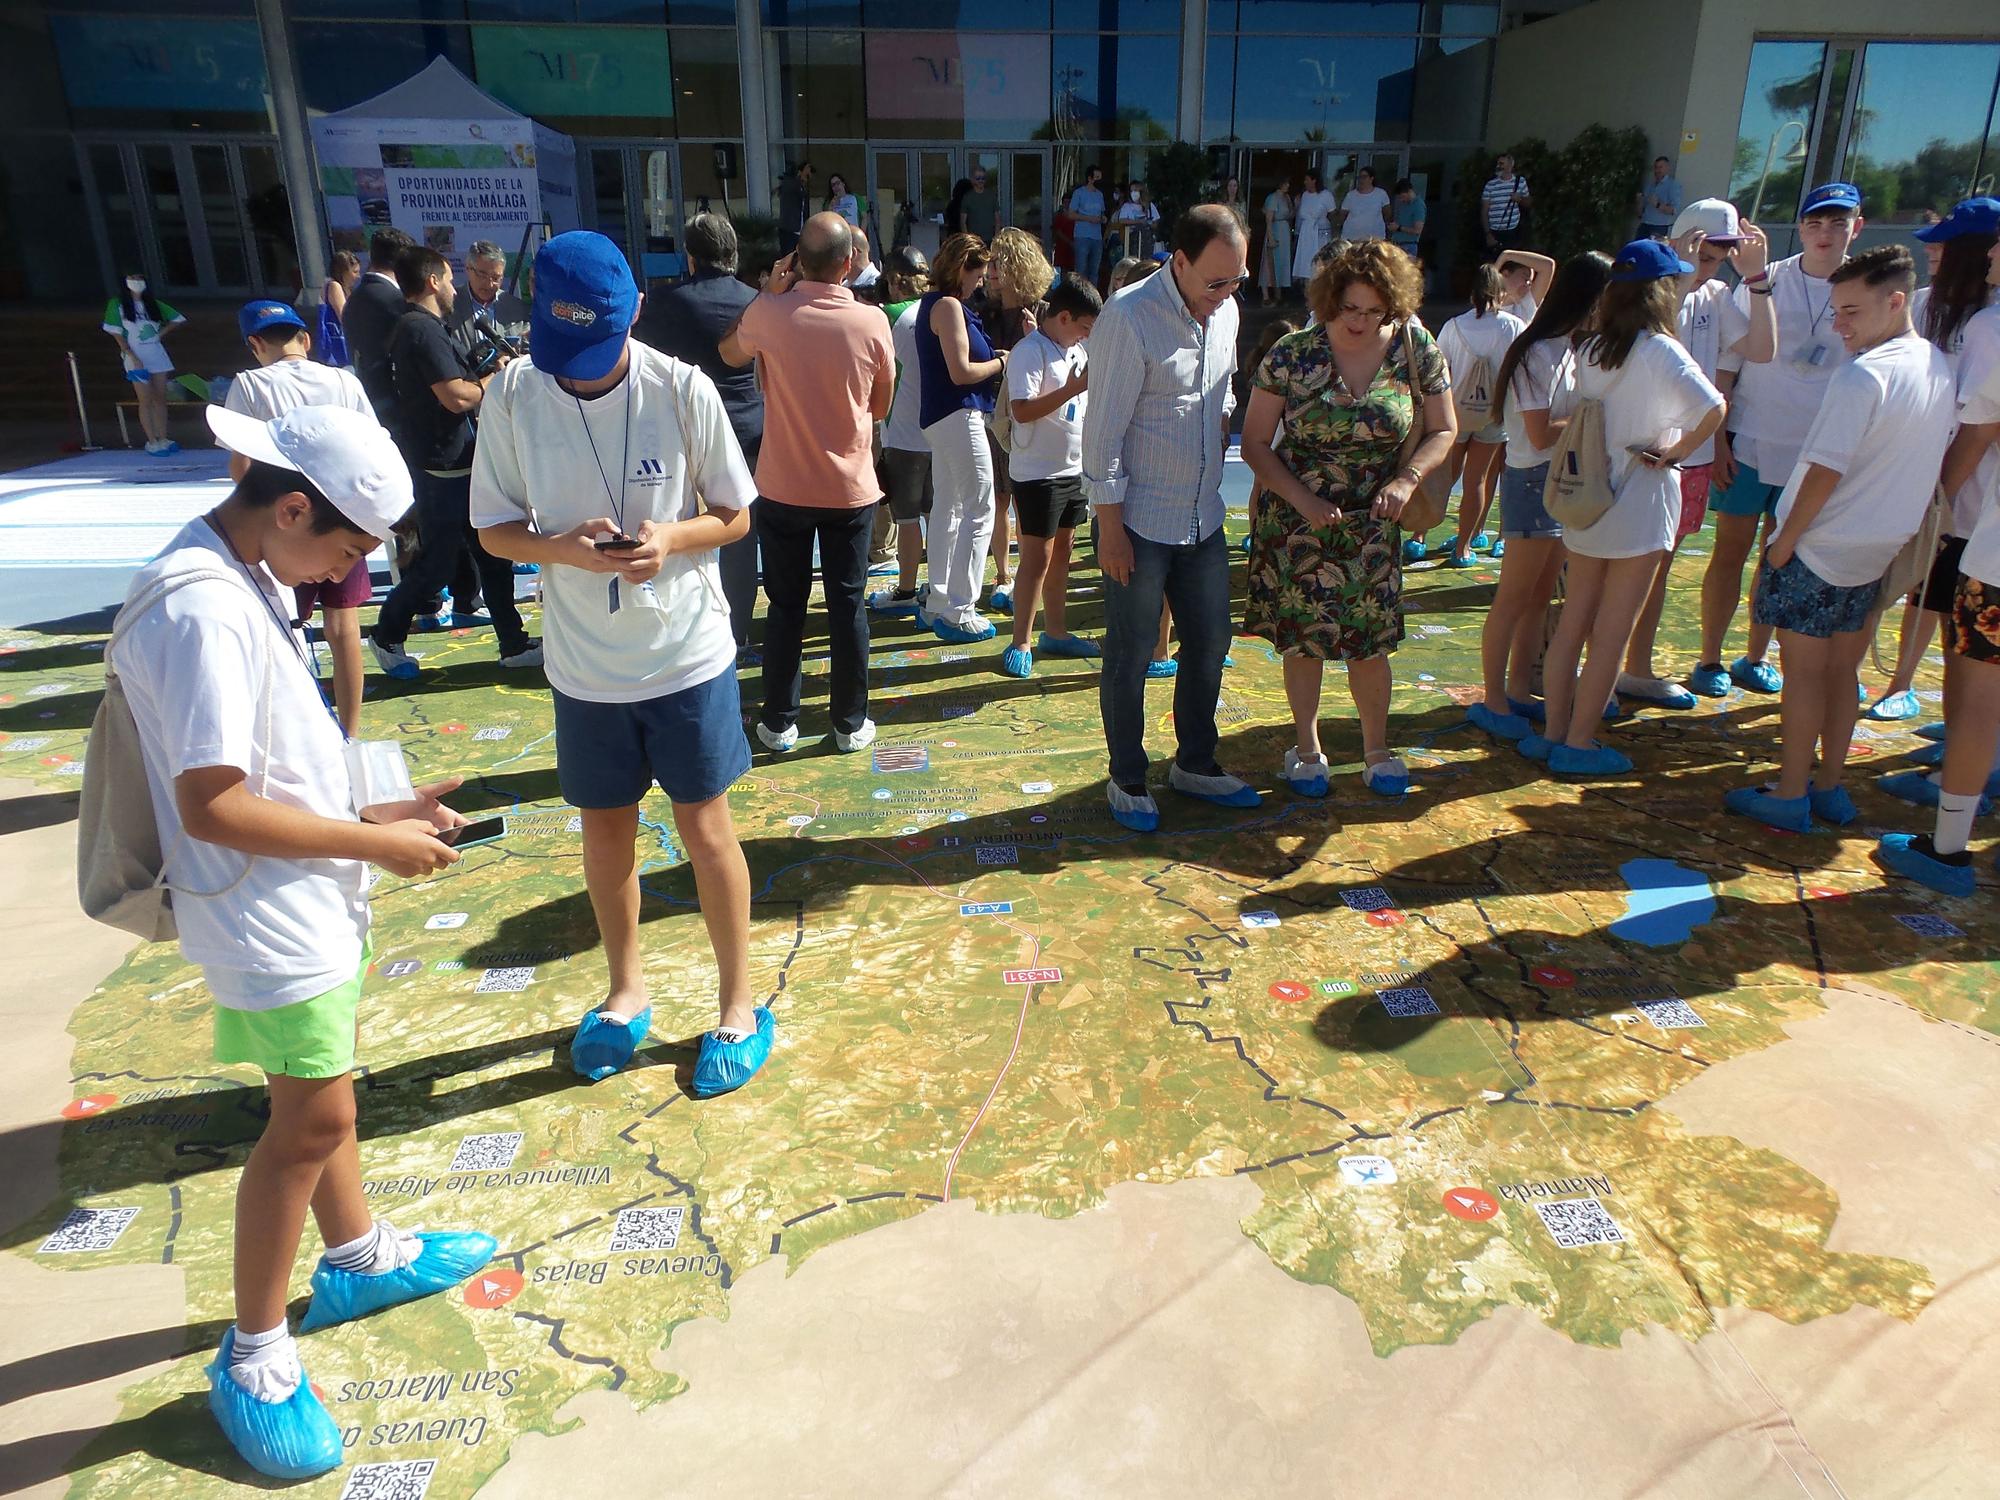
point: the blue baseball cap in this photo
(585, 301)
(1648, 260)
(1832, 195)
(1973, 216)
(265, 314)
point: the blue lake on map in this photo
(1667, 902)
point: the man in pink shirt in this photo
(829, 373)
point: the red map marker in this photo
(1826, 893)
(88, 1105)
(1290, 991)
(1552, 977)
(1472, 1204)
(493, 1288)
(451, 729)
(1387, 917)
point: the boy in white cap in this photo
(265, 854)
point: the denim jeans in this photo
(444, 531)
(787, 533)
(1089, 257)
(1195, 581)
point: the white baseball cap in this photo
(349, 457)
(1714, 217)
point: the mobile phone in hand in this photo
(619, 543)
(1651, 455)
(480, 831)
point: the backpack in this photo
(121, 874)
(1579, 489)
(1913, 564)
(1472, 394)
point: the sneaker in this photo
(1655, 690)
(1710, 681)
(1593, 760)
(396, 662)
(1757, 676)
(1305, 775)
(1499, 548)
(1068, 645)
(1134, 810)
(601, 1046)
(1833, 805)
(1158, 669)
(1217, 786)
(1387, 778)
(1018, 661)
(1534, 747)
(778, 741)
(1532, 709)
(1931, 732)
(291, 1439)
(447, 1259)
(861, 739)
(468, 619)
(894, 602)
(1895, 706)
(722, 1067)
(963, 635)
(1915, 856)
(1793, 814)
(1508, 726)
(529, 655)
(1001, 600)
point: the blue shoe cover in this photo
(959, 635)
(1413, 550)
(600, 1047)
(1679, 698)
(1384, 782)
(1895, 851)
(1532, 709)
(723, 1067)
(1483, 542)
(1834, 806)
(1500, 726)
(1911, 786)
(1793, 814)
(427, 624)
(1001, 600)
(1462, 560)
(1068, 645)
(526, 570)
(463, 621)
(1895, 706)
(1758, 676)
(447, 1259)
(1018, 661)
(1597, 760)
(1710, 682)
(1612, 711)
(1159, 669)
(1499, 548)
(290, 1439)
(1534, 747)
(1928, 755)
(1932, 732)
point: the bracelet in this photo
(1758, 280)
(1410, 472)
(1760, 291)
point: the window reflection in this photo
(1324, 88)
(1116, 87)
(1919, 126)
(943, 85)
(1779, 98)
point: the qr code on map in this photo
(503, 981)
(647, 1229)
(958, 710)
(408, 1479)
(89, 1229)
(487, 1153)
(1671, 1015)
(1368, 898)
(493, 732)
(1922, 924)
(1579, 1221)
(1414, 1000)
(26, 743)
(996, 854)
(574, 825)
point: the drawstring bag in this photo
(1472, 395)
(1579, 489)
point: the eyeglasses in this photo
(1372, 314)
(1228, 283)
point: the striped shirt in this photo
(1502, 212)
(1160, 399)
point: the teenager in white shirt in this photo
(1658, 409)
(1047, 384)
(1526, 277)
(906, 456)
(613, 467)
(1948, 313)
(1770, 409)
(1364, 211)
(1722, 337)
(1475, 345)
(1864, 477)
(265, 852)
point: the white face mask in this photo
(135, 284)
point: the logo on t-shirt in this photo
(650, 474)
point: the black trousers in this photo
(786, 534)
(444, 512)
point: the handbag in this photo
(1431, 499)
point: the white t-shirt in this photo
(538, 461)
(1920, 302)
(1978, 372)
(1542, 381)
(1366, 214)
(1978, 406)
(1884, 425)
(270, 392)
(1468, 338)
(1050, 447)
(1712, 324)
(1526, 307)
(1649, 401)
(194, 668)
(903, 431)
(1775, 402)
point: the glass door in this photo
(1027, 192)
(208, 217)
(635, 203)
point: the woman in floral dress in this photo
(1326, 580)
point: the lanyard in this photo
(1805, 292)
(617, 501)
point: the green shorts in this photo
(306, 1039)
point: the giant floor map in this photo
(1440, 1040)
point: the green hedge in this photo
(1582, 195)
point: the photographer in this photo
(435, 396)
(483, 310)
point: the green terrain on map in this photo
(1181, 1034)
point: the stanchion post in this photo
(82, 416)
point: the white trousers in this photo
(961, 516)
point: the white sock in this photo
(383, 1248)
(731, 1034)
(613, 1017)
(266, 1364)
(1954, 822)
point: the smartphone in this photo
(1640, 450)
(479, 831)
(617, 544)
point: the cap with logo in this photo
(1832, 195)
(349, 457)
(585, 301)
(1714, 217)
(1648, 260)
(1972, 216)
(265, 314)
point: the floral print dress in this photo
(1335, 592)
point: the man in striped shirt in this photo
(1503, 198)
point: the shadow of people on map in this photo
(100, 1359)
(179, 1434)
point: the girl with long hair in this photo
(1018, 277)
(1477, 339)
(138, 322)
(1274, 266)
(840, 201)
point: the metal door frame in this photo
(180, 147)
(630, 149)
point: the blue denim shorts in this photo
(690, 742)
(1797, 599)
(1522, 513)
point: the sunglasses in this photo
(1228, 283)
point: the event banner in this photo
(445, 193)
